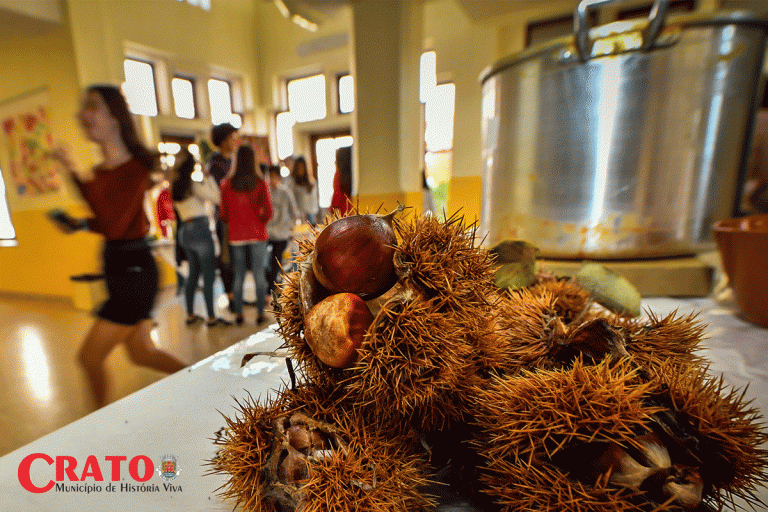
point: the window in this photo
(306, 98)
(7, 232)
(439, 108)
(438, 118)
(220, 96)
(284, 122)
(203, 4)
(183, 97)
(427, 75)
(346, 88)
(139, 87)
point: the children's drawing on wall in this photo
(27, 140)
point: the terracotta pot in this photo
(743, 246)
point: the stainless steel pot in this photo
(627, 140)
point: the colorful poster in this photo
(27, 137)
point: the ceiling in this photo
(15, 25)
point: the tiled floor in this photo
(43, 387)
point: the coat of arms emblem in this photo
(168, 469)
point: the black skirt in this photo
(132, 281)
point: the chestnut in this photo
(334, 328)
(355, 254)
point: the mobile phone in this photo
(63, 217)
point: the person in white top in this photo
(280, 227)
(304, 190)
(194, 232)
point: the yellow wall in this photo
(44, 259)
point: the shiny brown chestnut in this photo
(355, 254)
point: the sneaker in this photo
(218, 321)
(194, 319)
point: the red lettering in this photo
(92, 469)
(66, 464)
(115, 467)
(25, 478)
(133, 468)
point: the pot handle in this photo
(581, 25)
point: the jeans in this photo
(275, 262)
(197, 241)
(258, 252)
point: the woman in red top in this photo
(246, 207)
(342, 181)
(115, 192)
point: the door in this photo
(324, 146)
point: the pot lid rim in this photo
(738, 17)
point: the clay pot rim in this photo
(744, 225)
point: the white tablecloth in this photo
(179, 415)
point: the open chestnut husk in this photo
(355, 254)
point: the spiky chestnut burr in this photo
(572, 301)
(714, 427)
(308, 449)
(412, 362)
(674, 338)
(296, 295)
(528, 420)
(674, 438)
(444, 259)
(245, 447)
(526, 324)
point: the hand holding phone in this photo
(65, 220)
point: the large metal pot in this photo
(627, 140)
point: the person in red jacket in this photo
(114, 190)
(246, 207)
(342, 181)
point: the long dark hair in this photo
(303, 180)
(344, 165)
(118, 107)
(245, 177)
(182, 184)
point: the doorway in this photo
(323, 148)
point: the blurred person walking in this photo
(114, 190)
